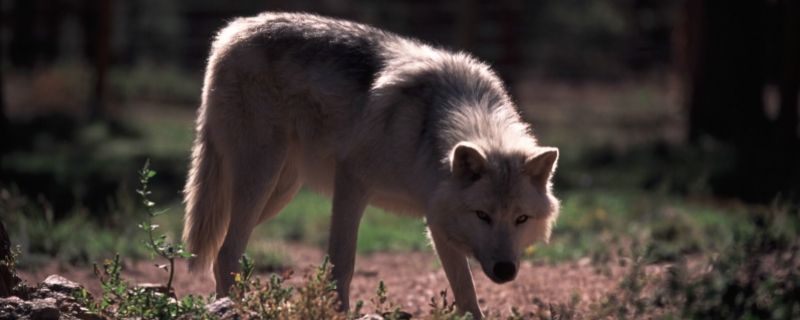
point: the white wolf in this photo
(367, 117)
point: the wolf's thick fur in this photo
(370, 118)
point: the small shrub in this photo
(269, 300)
(119, 300)
(756, 277)
(445, 311)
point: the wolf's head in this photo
(495, 204)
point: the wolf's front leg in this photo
(456, 267)
(350, 198)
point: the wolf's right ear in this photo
(468, 163)
(540, 167)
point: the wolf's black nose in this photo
(504, 271)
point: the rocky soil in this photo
(412, 280)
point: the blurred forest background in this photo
(684, 99)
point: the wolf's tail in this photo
(207, 197)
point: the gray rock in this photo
(43, 309)
(58, 283)
(38, 309)
(10, 302)
(85, 315)
(223, 309)
(399, 315)
(219, 307)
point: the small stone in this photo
(371, 317)
(84, 314)
(10, 301)
(219, 307)
(44, 309)
(399, 315)
(58, 283)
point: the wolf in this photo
(366, 117)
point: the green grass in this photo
(148, 81)
(307, 219)
(74, 240)
(594, 223)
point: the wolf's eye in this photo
(483, 216)
(521, 219)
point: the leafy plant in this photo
(10, 260)
(119, 300)
(756, 277)
(389, 311)
(445, 311)
(159, 245)
(270, 299)
(318, 298)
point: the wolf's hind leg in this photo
(285, 189)
(254, 168)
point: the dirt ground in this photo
(412, 280)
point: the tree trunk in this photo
(98, 107)
(726, 96)
(787, 116)
(4, 136)
(726, 100)
(786, 133)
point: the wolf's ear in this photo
(540, 166)
(468, 163)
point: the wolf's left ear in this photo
(540, 166)
(468, 163)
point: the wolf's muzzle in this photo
(504, 271)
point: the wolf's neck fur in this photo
(464, 98)
(477, 109)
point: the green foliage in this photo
(118, 300)
(445, 311)
(755, 277)
(42, 237)
(10, 283)
(149, 81)
(318, 298)
(10, 261)
(627, 302)
(382, 231)
(159, 245)
(550, 311)
(270, 299)
(271, 257)
(387, 311)
(380, 298)
(593, 223)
